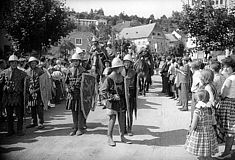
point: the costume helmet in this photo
(117, 62)
(94, 39)
(31, 59)
(79, 50)
(127, 58)
(76, 56)
(108, 42)
(13, 58)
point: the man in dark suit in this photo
(164, 74)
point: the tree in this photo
(100, 12)
(214, 29)
(33, 24)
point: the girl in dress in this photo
(201, 140)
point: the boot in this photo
(79, 132)
(20, 133)
(111, 142)
(130, 132)
(124, 140)
(10, 133)
(73, 132)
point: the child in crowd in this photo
(201, 140)
(107, 69)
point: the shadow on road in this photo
(10, 149)
(145, 104)
(168, 138)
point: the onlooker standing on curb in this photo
(226, 110)
(195, 66)
(184, 84)
(201, 140)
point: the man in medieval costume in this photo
(35, 99)
(110, 51)
(13, 80)
(131, 89)
(73, 85)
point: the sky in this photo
(141, 8)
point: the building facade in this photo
(87, 22)
(81, 40)
(146, 35)
(216, 3)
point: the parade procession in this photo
(82, 83)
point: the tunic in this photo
(108, 90)
(13, 87)
(73, 81)
(34, 84)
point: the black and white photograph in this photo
(117, 79)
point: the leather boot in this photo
(124, 140)
(111, 142)
(73, 132)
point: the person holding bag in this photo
(113, 93)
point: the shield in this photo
(26, 96)
(88, 93)
(126, 86)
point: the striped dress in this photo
(202, 141)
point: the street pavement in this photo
(159, 134)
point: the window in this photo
(78, 41)
(221, 1)
(217, 1)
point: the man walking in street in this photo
(13, 92)
(35, 99)
(131, 80)
(73, 82)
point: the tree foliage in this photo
(213, 28)
(35, 23)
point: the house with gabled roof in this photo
(81, 39)
(172, 40)
(149, 34)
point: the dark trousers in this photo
(130, 122)
(166, 85)
(163, 84)
(132, 101)
(19, 110)
(58, 91)
(37, 113)
(78, 120)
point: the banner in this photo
(88, 93)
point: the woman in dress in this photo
(226, 110)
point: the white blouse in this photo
(229, 85)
